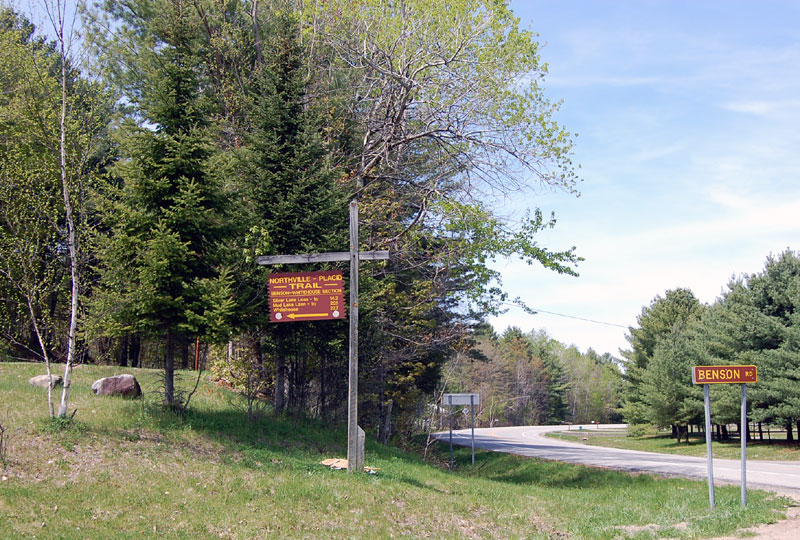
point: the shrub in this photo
(642, 430)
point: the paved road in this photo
(783, 477)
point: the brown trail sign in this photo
(306, 296)
(355, 435)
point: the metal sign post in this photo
(355, 444)
(450, 401)
(743, 437)
(462, 399)
(472, 414)
(707, 375)
(710, 455)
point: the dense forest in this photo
(532, 379)
(754, 322)
(148, 160)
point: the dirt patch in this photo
(786, 529)
(650, 528)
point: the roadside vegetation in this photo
(145, 167)
(529, 378)
(774, 449)
(131, 469)
(754, 322)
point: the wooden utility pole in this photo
(355, 435)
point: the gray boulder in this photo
(42, 381)
(119, 385)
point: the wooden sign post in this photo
(355, 435)
(706, 375)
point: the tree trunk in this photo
(44, 355)
(323, 409)
(280, 382)
(135, 349)
(72, 245)
(184, 351)
(290, 383)
(789, 436)
(123, 351)
(387, 423)
(760, 432)
(169, 370)
(302, 386)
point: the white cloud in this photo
(689, 150)
(768, 108)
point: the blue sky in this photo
(688, 122)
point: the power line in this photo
(570, 316)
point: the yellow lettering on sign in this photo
(724, 374)
(289, 279)
(301, 286)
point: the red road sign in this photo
(306, 296)
(724, 374)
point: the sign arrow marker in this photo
(304, 315)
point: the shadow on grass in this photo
(417, 484)
(522, 470)
(268, 431)
(218, 414)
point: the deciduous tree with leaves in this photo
(55, 135)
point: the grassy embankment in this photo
(126, 469)
(776, 449)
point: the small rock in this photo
(119, 385)
(41, 381)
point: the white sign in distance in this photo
(461, 399)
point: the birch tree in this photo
(56, 12)
(54, 125)
(29, 203)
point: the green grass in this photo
(775, 450)
(128, 469)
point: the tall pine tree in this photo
(293, 203)
(162, 265)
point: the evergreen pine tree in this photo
(161, 269)
(293, 202)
